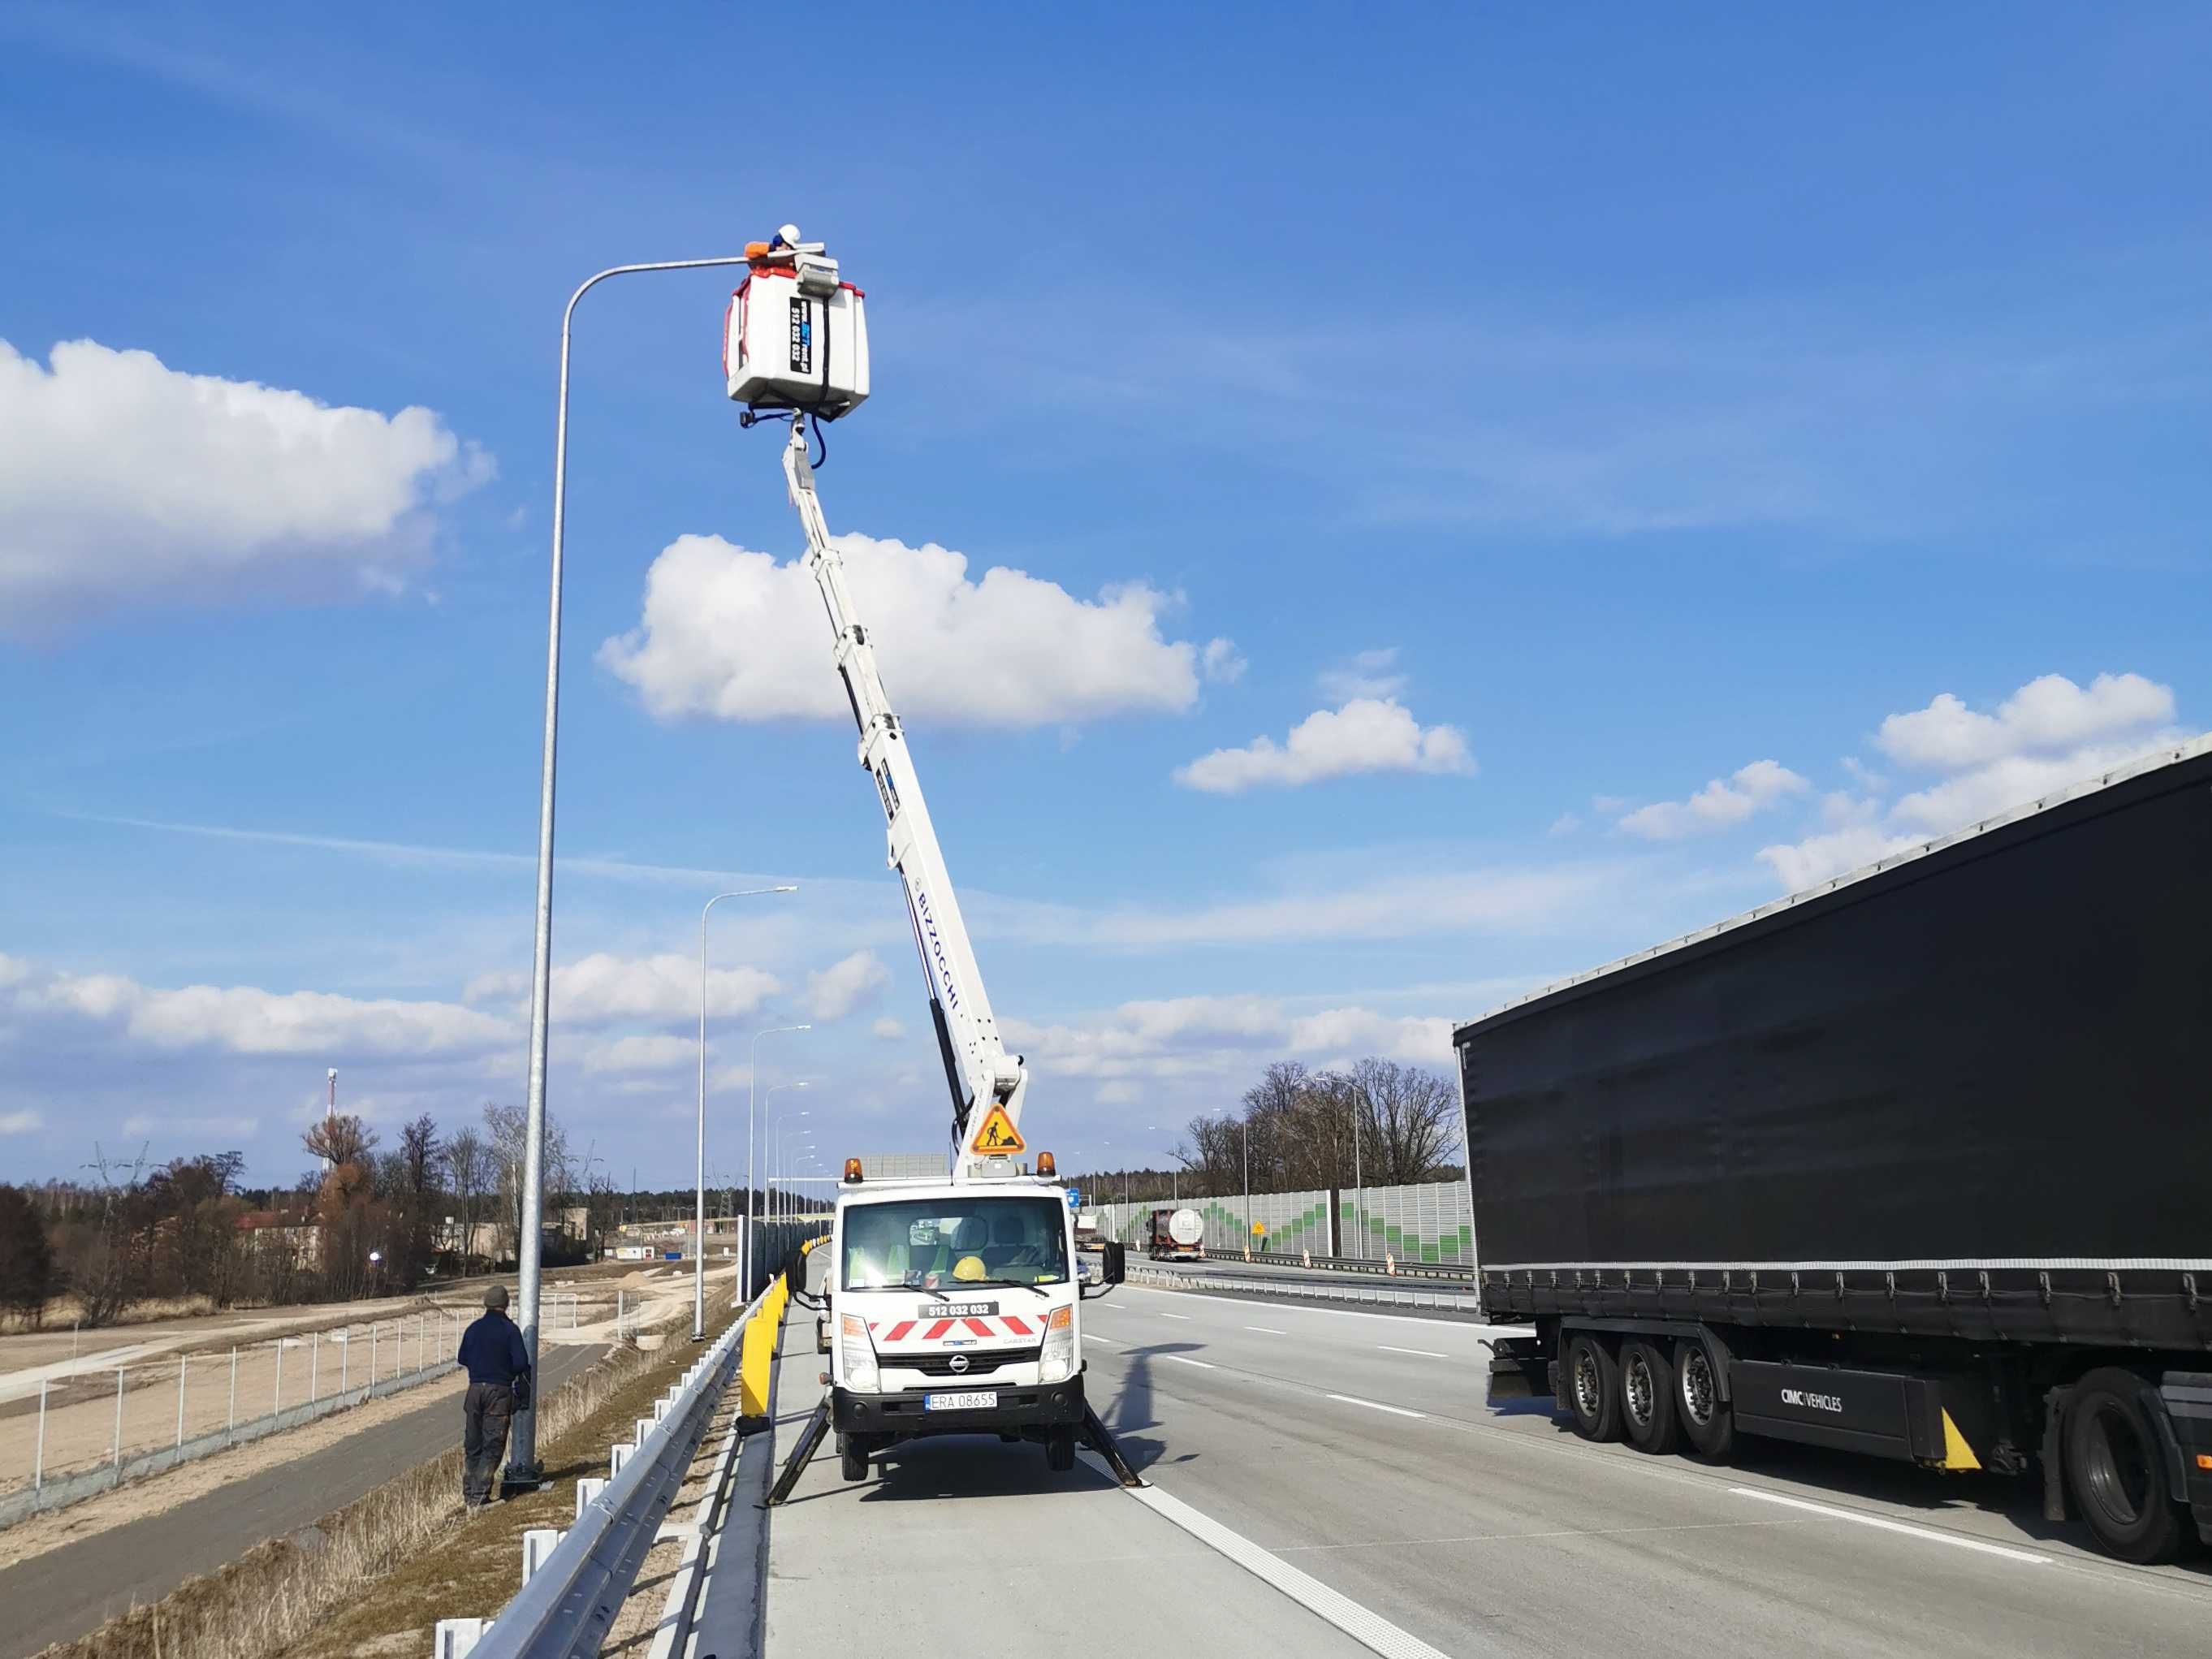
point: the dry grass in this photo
(307, 1593)
(63, 1311)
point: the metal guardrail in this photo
(1293, 1290)
(567, 1603)
(1395, 1269)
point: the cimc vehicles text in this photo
(954, 1306)
(1913, 1164)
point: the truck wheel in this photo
(853, 1459)
(1647, 1397)
(1594, 1387)
(1707, 1423)
(2116, 1469)
(1059, 1450)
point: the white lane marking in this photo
(1426, 1353)
(1185, 1359)
(1369, 1629)
(1288, 1306)
(1269, 1329)
(1374, 1405)
(1910, 1531)
(1093, 1336)
(1518, 1537)
(1164, 1314)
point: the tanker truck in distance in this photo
(1176, 1235)
(1912, 1164)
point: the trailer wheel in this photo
(1705, 1419)
(2116, 1469)
(1594, 1387)
(1059, 1450)
(1647, 1397)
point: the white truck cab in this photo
(956, 1308)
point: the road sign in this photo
(998, 1137)
(1074, 1198)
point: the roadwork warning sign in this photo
(997, 1136)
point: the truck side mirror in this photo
(1115, 1266)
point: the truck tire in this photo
(1594, 1387)
(2116, 1470)
(853, 1461)
(1647, 1397)
(1706, 1421)
(1059, 1450)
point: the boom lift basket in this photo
(796, 337)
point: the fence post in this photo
(39, 1466)
(230, 1428)
(115, 1451)
(181, 1399)
(345, 1358)
(372, 1353)
(315, 1365)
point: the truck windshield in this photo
(947, 1244)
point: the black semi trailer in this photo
(1918, 1164)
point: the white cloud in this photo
(245, 1020)
(643, 1054)
(1370, 674)
(1221, 663)
(1566, 824)
(225, 1127)
(2047, 714)
(1721, 805)
(1364, 735)
(125, 483)
(602, 989)
(21, 1123)
(887, 1030)
(844, 986)
(732, 633)
(2047, 735)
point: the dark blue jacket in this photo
(492, 1350)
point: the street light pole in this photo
(752, 1090)
(699, 1210)
(1358, 1182)
(523, 1470)
(776, 1165)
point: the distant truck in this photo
(1178, 1236)
(1912, 1164)
(1089, 1236)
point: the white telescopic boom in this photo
(978, 1068)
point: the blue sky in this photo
(1632, 465)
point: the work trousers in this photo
(487, 1409)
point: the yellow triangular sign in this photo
(998, 1137)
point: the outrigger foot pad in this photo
(809, 1442)
(1100, 1440)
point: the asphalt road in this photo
(1355, 1446)
(66, 1592)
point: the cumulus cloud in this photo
(643, 1054)
(1198, 1036)
(2048, 714)
(1372, 674)
(1367, 734)
(1721, 805)
(601, 989)
(125, 483)
(733, 633)
(2047, 735)
(1221, 663)
(887, 1030)
(245, 1020)
(844, 986)
(21, 1123)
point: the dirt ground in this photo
(237, 1368)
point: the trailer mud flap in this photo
(1518, 1371)
(1881, 1414)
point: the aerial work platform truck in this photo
(954, 1306)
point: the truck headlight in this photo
(856, 1355)
(1057, 1363)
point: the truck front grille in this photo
(980, 1362)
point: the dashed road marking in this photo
(1164, 1314)
(1269, 1329)
(1185, 1359)
(1374, 1405)
(1426, 1353)
(1909, 1530)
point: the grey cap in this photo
(495, 1296)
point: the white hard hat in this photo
(790, 234)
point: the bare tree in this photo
(506, 1127)
(1410, 1118)
(342, 1139)
(471, 1172)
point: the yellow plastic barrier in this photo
(758, 1352)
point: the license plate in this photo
(969, 1401)
(957, 1310)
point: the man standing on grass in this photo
(499, 1386)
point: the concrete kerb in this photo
(60, 1492)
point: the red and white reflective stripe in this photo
(899, 1330)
